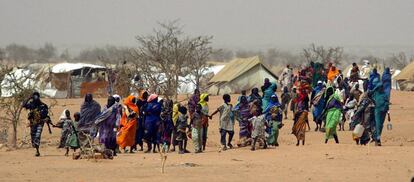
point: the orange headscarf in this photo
(128, 102)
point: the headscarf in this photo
(254, 95)
(386, 76)
(116, 97)
(63, 115)
(243, 109)
(90, 109)
(141, 95)
(193, 101)
(266, 84)
(175, 113)
(36, 98)
(272, 103)
(374, 79)
(130, 104)
(202, 99)
(152, 97)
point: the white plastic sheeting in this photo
(66, 67)
(21, 77)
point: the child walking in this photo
(259, 129)
(226, 121)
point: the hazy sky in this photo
(240, 24)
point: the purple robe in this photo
(106, 122)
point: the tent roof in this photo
(407, 73)
(277, 69)
(66, 67)
(236, 68)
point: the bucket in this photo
(358, 131)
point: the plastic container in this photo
(358, 131)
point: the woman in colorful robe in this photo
(268, 90)
(128, 124)
(90, 109)
(167, 125)
(273, 114)
(106, 122)
(333, 115)
(364, 115)
(318, 102)
(243, 115)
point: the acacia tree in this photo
(323, 55)
(168, 54)
(19, 86)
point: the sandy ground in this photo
(315, 161)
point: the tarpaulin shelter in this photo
(240, 74)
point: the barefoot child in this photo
(182, 125)
(226, 121)
(63, 124)
(259, 128)
(197, 129)
(204, 115)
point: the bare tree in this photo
(19, 85)
(167, 54)
(323, 55)
(201, 51)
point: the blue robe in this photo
(381, 109)
(267, 94)
(152, 122)
(386, 82)
(318, 106)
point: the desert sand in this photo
(315, 161)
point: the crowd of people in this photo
(125, 125)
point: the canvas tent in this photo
(407, 73)
(240, 74)
(405, 79)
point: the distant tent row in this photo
(240, 74)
